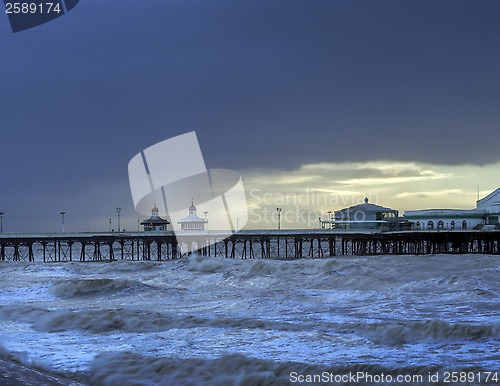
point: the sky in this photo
(324, 101)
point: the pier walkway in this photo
(249, 244)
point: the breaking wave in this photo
(83, 287)
(130, 320)
(199, 263)
(426, 331)
(127, 320)
(262, 266)
(127, 368)
(303, 267)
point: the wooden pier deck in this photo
(288, 244)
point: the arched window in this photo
(418, 225)
(452, 224)
(464, 224)
(430, 225)
(440, 224)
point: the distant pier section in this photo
(247, 244)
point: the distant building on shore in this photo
(365, 216)
(155, 222)
(486, 215)
(192, 221)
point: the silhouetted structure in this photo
(155, 222)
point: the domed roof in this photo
(155, 210)
(192, 208)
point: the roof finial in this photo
(366, 200)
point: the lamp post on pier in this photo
(62, 220)
(1, 222)
(279, 217)
(118, 210)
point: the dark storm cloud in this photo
(272, 84)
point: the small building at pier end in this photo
(155, 222)
(192, 222)
(365, 216)
(485, 216)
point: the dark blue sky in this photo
(266, 84)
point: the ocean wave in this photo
(199, 263)
(483, 293)
(324, 273)
(128, 368)
(127, 320)
(103, 268)
(22, 313)
(84, 287)
(395, 333)
(262, 266)
(302, 267)
(130, 320)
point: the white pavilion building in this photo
(484, 216)
(192, 221)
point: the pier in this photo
(251, 244)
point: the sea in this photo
(350, 320)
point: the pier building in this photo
(365, 216)
(155, 222)
(485, 216)
(192, 221)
